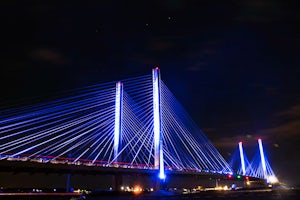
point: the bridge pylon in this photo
(117, 179)
(242, 158)
(262, 157)
(158, 140)
(118, 120)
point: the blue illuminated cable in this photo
(44, 133)
(50, 112)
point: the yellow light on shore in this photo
(221, 188)
(137, 189)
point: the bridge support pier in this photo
(68, 186)
(160, 184)
(117, 182)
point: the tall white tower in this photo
(158, 142)
(118, 119)
(262, 157)
(242, 158)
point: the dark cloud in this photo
(285, 126)
(232, 142)
(199, 66)
(48, 55)
(161, 45)
(262, 11)
(291, 112)
(290, 130)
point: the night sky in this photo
(234, 65)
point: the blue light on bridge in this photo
(158, 148)
(259, 167)
(262, 156)
(155, 130)
(118, 119)
(242, 158)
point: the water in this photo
(212, 195)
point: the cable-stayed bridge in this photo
(259, 166)
(135, 123)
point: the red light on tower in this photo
(229, 176)
(247, 178)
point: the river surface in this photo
(212, 195)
